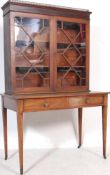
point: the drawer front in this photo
(94, 100)
(45, 104)
(62, 103)
(86, 101)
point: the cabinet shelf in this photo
(23, 43)
(39, 66)
(72, 66)
(23, 70)
(64, 69)
(78, 44)
(62, 46)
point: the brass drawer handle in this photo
(45, 104)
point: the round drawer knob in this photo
(45, 104)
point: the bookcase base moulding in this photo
(46, 60)
(34, 103)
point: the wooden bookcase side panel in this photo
(7, 54)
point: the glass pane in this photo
(34, 77)
(32, 52)
(71, 54)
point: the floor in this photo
(84, 161)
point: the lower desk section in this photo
(32, 103)
(42, 102)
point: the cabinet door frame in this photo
(13, 65)
(76, 20)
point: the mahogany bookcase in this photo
(46, 56)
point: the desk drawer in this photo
(62, 103)
(86, 101)
(94, 100)
(45, 104)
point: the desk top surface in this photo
(52, 95)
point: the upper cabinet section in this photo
(46, 48)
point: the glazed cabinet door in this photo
(32, 52)
(71, 54)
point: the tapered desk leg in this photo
(4, 114)
(80, 126)
(104, 128)
(20, 133)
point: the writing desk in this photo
(43, 102)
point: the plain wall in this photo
(58, 129)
